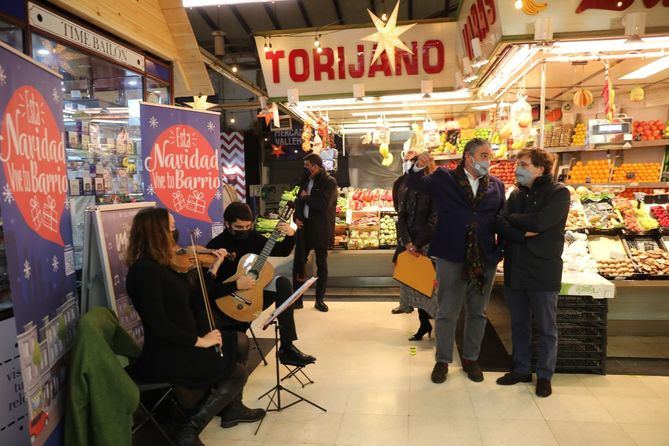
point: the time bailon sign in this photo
(345, 59)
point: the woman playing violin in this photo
(175, 350)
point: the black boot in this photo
(236, 412)
(425, 326)
(321, 306)
(220, 397)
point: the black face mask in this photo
(240, 235)
(175, 236)
(306, 173)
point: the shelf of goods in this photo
(103, 159)
(366, 219)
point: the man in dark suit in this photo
(532, 225)
(315, 210)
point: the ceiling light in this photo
(391, 112)
(471, 78)
(317, 42)
(350, 131)
(43, 52)
(649, 69)
(384, 17)
(195, 3)
(132, 82)
(319, 50)
(365, 125)
(397, 120)
(235, 69)
(517, 58)
(232, 120)
(518, 4)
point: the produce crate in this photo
(581, 323)
(388, 229)
(649, 255)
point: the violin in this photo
(183, 259)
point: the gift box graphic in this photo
(178, 201)
(49, 215)
(36, 213)
(196, 202)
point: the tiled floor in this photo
(378, 393)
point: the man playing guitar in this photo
(240, 239)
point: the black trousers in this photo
(303, 247)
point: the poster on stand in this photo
(107, 233)
(182, 171)
(38, 236)
(13, 413)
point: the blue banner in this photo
(182, 172)
(38, 235)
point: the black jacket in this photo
(416, 216)
(534, 263)
(322, 202)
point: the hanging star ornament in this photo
(265, 114)
(387, 36)
(200, 103)
(277, 151)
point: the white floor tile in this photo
(373, 430)
(589, 434)
(573, 408)
(436, 430)
(516, 433)
(295, 427)
(648, 434)
(637, 410)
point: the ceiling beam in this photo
(305, 15)
(242, 21)
(210, 23)
(443, 12)
(340, 18)
(272, 16)
(411, 8)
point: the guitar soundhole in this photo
(240, 307)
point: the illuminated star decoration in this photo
(387, 36)
(277, 151)
(200, 103)
(264, 113)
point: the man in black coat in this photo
(532, 226)
(315, 210)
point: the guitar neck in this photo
(267, 250)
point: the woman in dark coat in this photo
(416, 220)
(173, 350)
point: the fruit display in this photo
(637, 218)
(558, 135)
(576, 217)
(504, 170)
(365, 219)
(388, 231)
(362, 199)
(341, 240)
(661, 214)
(580, 133)
(601, 216)
(648, 130)
(289, 195)
(342, 205)
(576, 255)
(482, 133)
(637, 172)
(597, 172)
(612, 268)
(363, 239)
(654, 262)
(530, 7)
(466, 135)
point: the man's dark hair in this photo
(314, 159)
(538, 158)
(474, 144)
(237, 211)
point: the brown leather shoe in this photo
(544, 388)
(439, 372)
(473, 370)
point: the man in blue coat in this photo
(467, 252)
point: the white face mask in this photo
(407, 165)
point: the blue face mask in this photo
(524, 176)
(482, 167)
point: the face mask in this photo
(524, 176)
(481, 167)
(407, 165)
(175, 236)
(240, 235)
(306, 173)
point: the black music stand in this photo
(274, 393)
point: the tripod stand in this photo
(274, 393)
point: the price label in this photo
(588, 180)
(631, 175)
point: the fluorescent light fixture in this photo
(401, 119)
(390, 112)
(649, 69)
(376, 107)
(377, 101)
(365, 125)
(471, 78)
(478, 63)
(609, 45)
(513, 62)
(43, 52)
(195, 3)
(132, 82)
(361, 130)
(488, 106)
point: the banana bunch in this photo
(387, 157)
(532, 8)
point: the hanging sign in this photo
(479, 19)
(182, 170)
(72, 32)
(345, 59)
(38, 235)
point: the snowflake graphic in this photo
(27, 269)
(210, 126)
(218, 195)
(149, 190)
(153, 122)
(54, 95)
(54, 263)
(197, 233)
(3, 76)
(7, 195)
(67, 204)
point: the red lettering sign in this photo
(275, 56)
(410, 61)
(482, 15)
(429, 65)
(359, 70)
(326, 67)
(292, 65)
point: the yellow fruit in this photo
(583, 98)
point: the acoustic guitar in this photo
(246, 305)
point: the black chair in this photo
(165, 391)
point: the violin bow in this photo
(203, 288)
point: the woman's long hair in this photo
(150, 237)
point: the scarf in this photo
(472, 268)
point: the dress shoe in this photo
(512, 378)
(321, 306)
(401, 310)
(290, 355)
(439, 372)
(236, 412)
(544, 388)
(422, 331)
(298, 305)
(473, 370)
